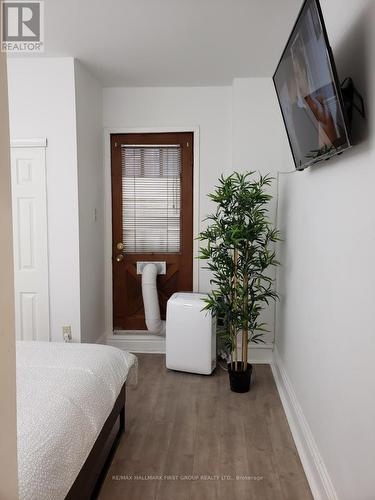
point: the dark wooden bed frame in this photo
(93, 472)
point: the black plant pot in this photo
(239, 379)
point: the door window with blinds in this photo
(152, 219)
(151, 198)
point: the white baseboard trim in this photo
(312, 462)
(140, 342)
(102, 339)
(260, 354)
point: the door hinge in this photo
(115, 144)
(187, 144)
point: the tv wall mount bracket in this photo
(353, 100)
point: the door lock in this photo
(119, 258)
(120, 246)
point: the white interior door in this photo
(29, 199)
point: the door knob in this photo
(119, 258)
(120, 246)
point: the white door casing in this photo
(29, 204)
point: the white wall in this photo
(258, 144)
(232, 137)
(325, 321)
(8, 416)
(209, 108)
(91, 201)
(42, 104)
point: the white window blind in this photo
(151, 205)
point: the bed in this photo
(70, 410)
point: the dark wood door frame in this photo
(179, 266)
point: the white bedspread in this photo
(65, 393)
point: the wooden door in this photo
(128, 311)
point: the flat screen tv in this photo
(309, 91)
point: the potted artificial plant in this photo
(237, 248)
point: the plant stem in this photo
(245, 329)
(235, 261)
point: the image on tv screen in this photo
(307, 92)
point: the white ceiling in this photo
(170, 42)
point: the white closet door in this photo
(30, 241)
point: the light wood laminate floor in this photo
(188, 437)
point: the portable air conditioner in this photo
(190, 334)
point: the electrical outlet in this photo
(67, 333)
